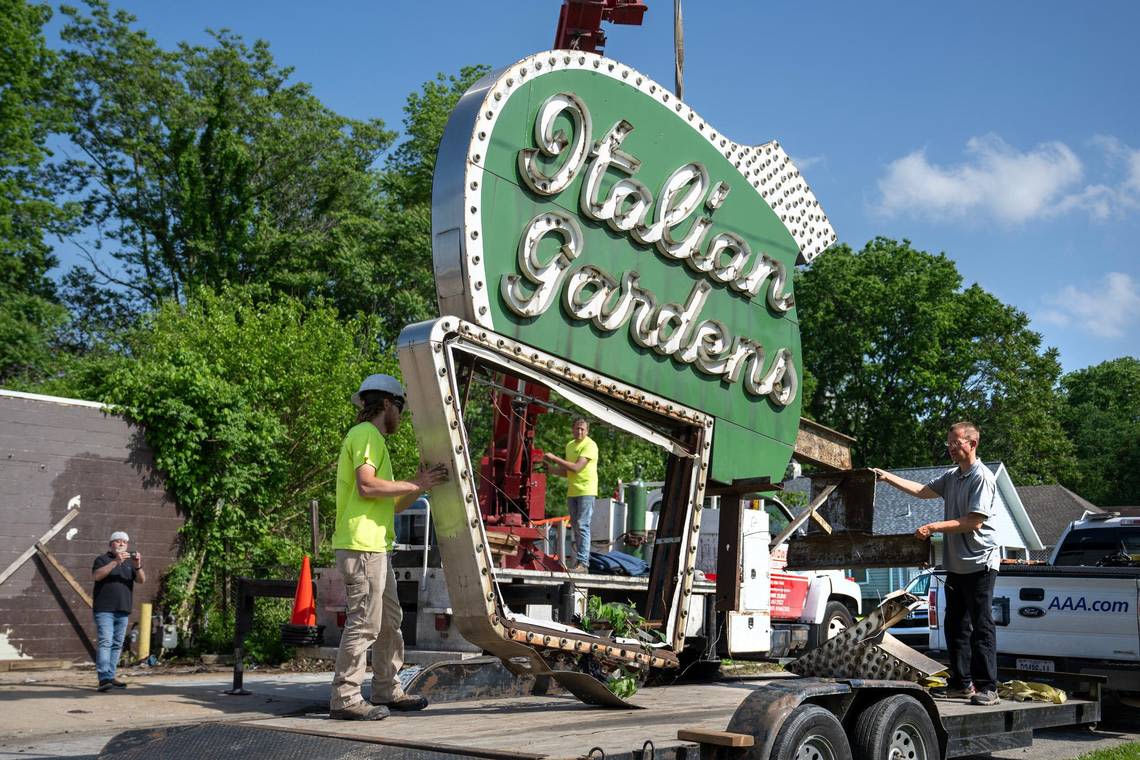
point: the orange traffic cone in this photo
(304, 609)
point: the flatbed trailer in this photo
(777, 717)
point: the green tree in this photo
(897, 350)
(402, 281)
(1101, 415)
(29, 84)
(244, 398)
(206, 165)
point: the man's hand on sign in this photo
(430, 477)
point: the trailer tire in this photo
(811, 733)
(897, 728)
(836, 618)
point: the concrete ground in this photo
(59, 713)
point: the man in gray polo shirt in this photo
(970, 556)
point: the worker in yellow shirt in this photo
(580, 468)
(367, 500)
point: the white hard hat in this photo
(384, 383)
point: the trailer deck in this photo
(555, 727)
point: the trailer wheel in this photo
(811, 733)
(836, 618)
(898, 728)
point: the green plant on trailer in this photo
(625, 622)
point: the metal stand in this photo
(248, 589)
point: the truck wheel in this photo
(836, 618)
(898, 728)
(811, 733)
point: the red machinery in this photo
(512, 497)
(580, 22)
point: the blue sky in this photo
(1006, 134)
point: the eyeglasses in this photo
(399, 403)
(960, 443)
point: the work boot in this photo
(952, 692)
(360, 711)
(105, 686)
(118, 684)
(985, 697)
(405, 703)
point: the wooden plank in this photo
(10, 665)
(802, 517)
(8, 571)
(67, 576)
(718, 738)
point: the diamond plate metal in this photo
(866, 650)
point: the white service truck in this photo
(1079, 613)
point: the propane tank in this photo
(637, 499)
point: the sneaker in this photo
(950, 692)
(405, 703)
(105, 685)
(118, 684)
(360, 711)
(986, 698)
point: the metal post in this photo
(315, 524)
(145, 622)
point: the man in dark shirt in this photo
(971, 556)
(115, 574)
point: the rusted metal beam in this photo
(853, 551)
(823, 447)
(728, 554)
(744, 486)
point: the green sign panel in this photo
(580, 208)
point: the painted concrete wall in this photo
(52, 450)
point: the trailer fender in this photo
(763, 712)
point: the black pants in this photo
(970, 634)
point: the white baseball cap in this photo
(384, 383)
(119, 536)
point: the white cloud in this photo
(998, 181)
(1110, 309)
(806, 162)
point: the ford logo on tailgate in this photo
(1031, 612)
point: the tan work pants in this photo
(373, 620)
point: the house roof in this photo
(899, 513)
(1052, 508)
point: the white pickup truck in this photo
(1079, 613)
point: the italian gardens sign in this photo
(580, 208)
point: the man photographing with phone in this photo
(115, 573)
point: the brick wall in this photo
(52, 450)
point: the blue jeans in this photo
(581, 512)
(111, 628)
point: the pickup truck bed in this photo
(1063, 618)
